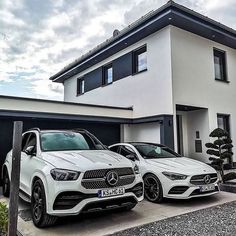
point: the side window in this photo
(115, 149)
(126, 150)
(31, 141)
(24, 141)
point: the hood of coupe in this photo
(180, 165)
(86, 160)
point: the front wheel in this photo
(6, 184)
(152, 189)
(38, 206)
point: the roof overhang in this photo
(170, 14)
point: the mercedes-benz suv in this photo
(67, 172)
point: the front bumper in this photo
(71, 198)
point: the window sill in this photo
(224, 81)
(104, 85)
(135, 73)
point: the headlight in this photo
(136, 169)
(174, 176)
(64, 175)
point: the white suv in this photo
(68, 172)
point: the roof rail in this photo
(35, 128)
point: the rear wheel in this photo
(38, 206)
(6, 184)
(152, 188)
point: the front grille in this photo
(197, 192)
(110, 204)
(92, 174)
(178, 190)
(199, 179)
(96, 179)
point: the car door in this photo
(27, 167)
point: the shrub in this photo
(3, 219)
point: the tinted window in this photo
(24, 141)
(125, 151)
(223, 122)
(220, 65)
(108, 74)
(62, 141)
(154, 151)
(140, 60)
(31, 142)
(115, 149)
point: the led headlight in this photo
(136, 169)
(64, 175)
(174, 176)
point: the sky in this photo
(40, 37)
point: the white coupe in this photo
(166, 174)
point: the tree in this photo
(220, 150)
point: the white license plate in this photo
(207, 188)
(111, 192)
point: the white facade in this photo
(180, 70)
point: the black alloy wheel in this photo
(6, 184)
(152, 188)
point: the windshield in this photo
(62, 141)
(150, 151)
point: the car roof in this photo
(139, 143)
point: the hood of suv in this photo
(86, 160)
(180, 165)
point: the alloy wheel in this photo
(37, 203)
(151, 188)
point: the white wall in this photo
(149, 132)
(193, 77)
(150, 92)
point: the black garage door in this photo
(105, 132)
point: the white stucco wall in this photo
(150, 92)
(149, 132)
(193, 77)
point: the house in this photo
(174, 67)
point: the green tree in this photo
(220, 149)
(3, 219)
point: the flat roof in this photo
(169, 14)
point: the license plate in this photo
(111, 192)
(207, 188)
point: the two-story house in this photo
(175, 67)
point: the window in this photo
(107, 74)
(80, 86)
(115, 149)
(220, 65)
(126, 150)
(140, 60)
(31, 141)
(223, 122)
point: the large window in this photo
(107, 74)
(223, 122)
(220, 65)
(80, 86)
(140, 60)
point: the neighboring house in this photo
(175, 67)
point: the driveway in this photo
(111, 222)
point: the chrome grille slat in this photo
(96, 179)
(199, 179)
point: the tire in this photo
(38, 207)
(153, 191)
(6, 184)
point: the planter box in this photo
(228, 187)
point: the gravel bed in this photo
(218, 220)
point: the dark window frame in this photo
(226, 121)
(105, 69)
(79, 86)
(223, 64)
(135, 54)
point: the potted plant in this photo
(220, 150)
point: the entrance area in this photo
(192, 127)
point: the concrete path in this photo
(110, 222)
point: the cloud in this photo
(40, 37)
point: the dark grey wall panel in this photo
(122, 66)
(93, 79)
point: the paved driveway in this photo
(110, 222)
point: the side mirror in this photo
(131, 157)
(30, 151)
